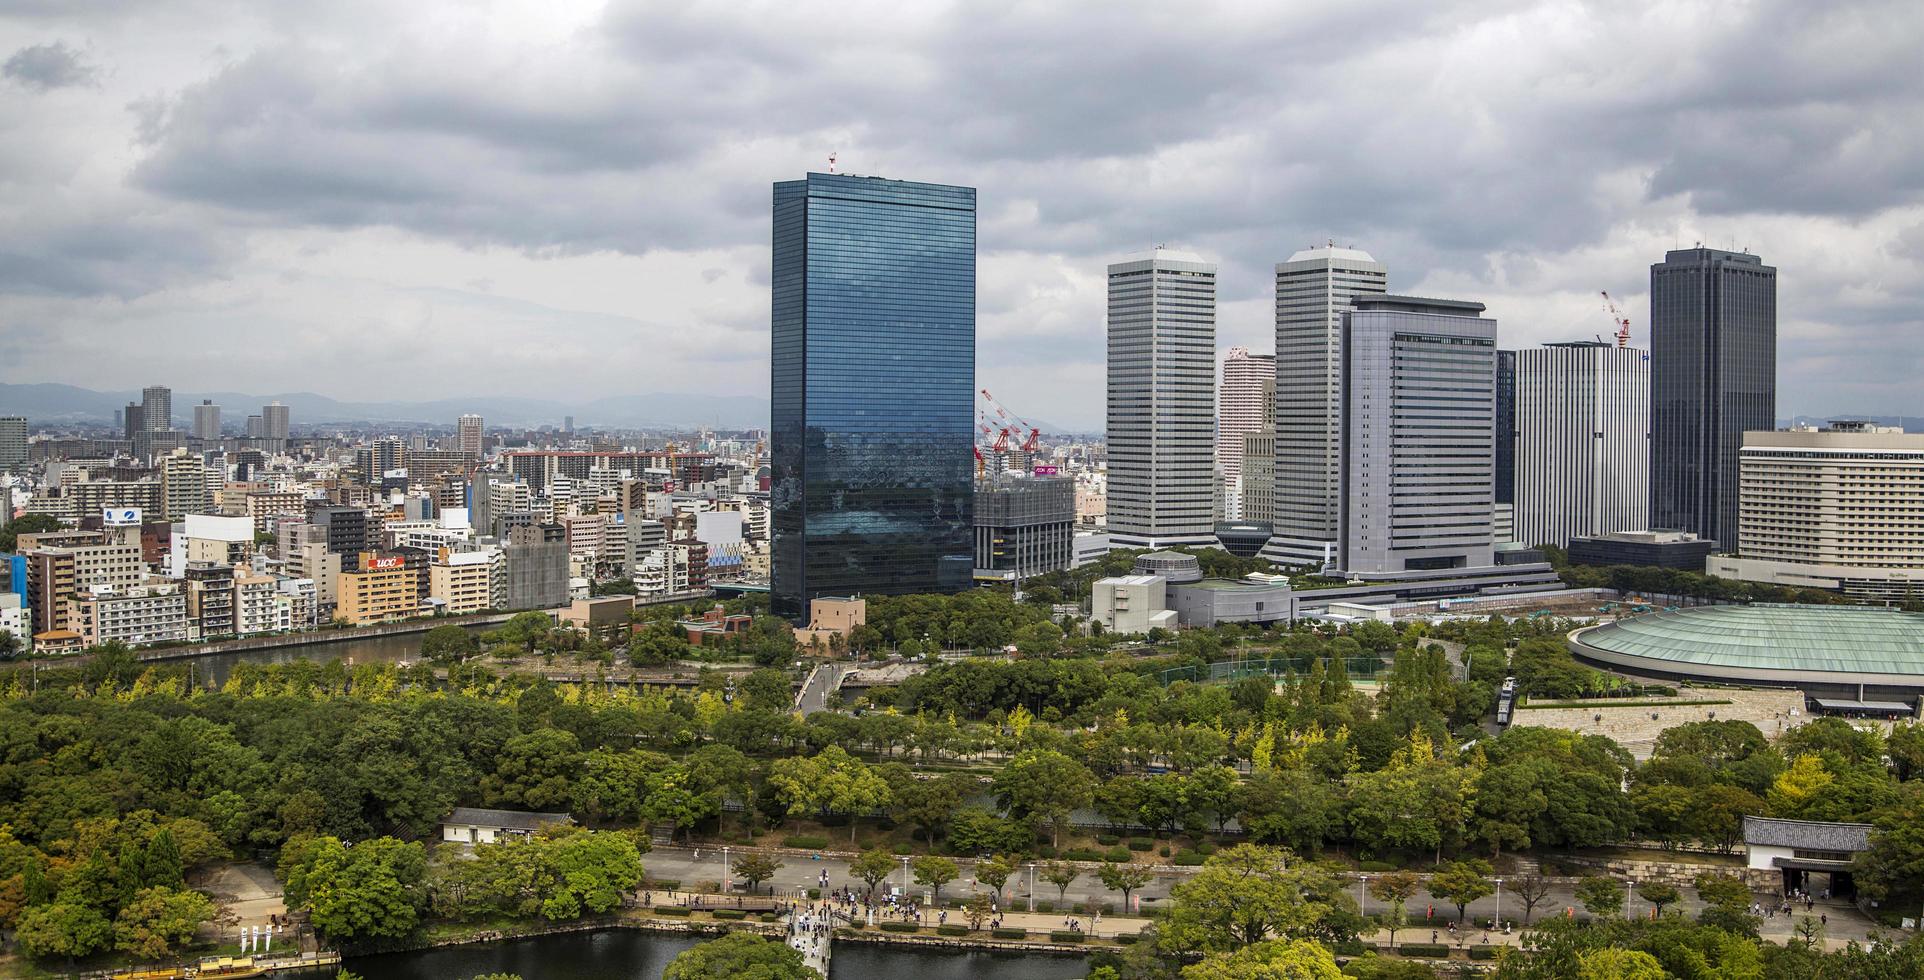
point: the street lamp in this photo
(905, 877)
(1363, 894)
(1499, 901)
(1031, 886)
(724, 881)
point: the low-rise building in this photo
(135, 616)
(468, 581)
(594, 615)
(1662, 549)
(1132, 604)
(381, 590)
(474, 825)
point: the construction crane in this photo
(1034, 438)
(1616, 317)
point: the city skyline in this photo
(468, 212)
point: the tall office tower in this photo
(1418, 436)
(207, 421)
(256, 429)
(1505, 508)
(274, 424)
(467, 437)
(133, 419)
(157, 408)
(1713, 350)
(1582, 442)
(873, 388)
(568, 424)
(1313, 289)
(13, 455)
(1162, 401)
(1249, 380)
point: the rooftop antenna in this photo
(831, 161)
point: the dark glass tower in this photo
(873, 389)
(1713, 375)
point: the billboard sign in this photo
(386, 564)
(1046, 469)
(120, 516)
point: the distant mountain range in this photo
(67, 403)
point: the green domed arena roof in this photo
(1847, 644)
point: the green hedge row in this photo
(1433, 950)
(671, 910)
(1126, 938)
(1065, 936)
(730, 914)
(898, 927)
(1482, 952)
(1009, 933)
(1141, 844)
(951, 930)
(805, 842)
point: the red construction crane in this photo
(1035, 435)
(1617, 317)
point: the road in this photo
(800, 873)
(822, 681)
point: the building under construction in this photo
(1024, 525)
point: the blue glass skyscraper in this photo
(873, 389)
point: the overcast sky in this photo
(562, 198)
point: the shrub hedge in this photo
(1065, 936)
(898, 927)
(1432, 950)
(730, 914)
(805, 842)
(1482, 952)
(951, 930)
(1141, 844)
(1116, 855)
(1009, 933)
(681, 910)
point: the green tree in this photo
(1531, 890)
(995, 872)
(934, 872)
(740, 956)
(1601, 897)
(978, 909)
(161, 864)
(1462, 882)
(831, 781)
(535, 771)
(1061, 874)
(448, 644)
(159, 922)
(371, 890)
(1620, 964)
(1039, 640)
(1726, 903)
(872, 867)
(592, 870)
(1044, 786)
(10, 531)
(928, 804)
(1245, 894)
(1124, 878)
(64, 928)
(1274, 960)
(1395, 889)
(1658, 893)
(755, 867)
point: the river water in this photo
(627, 954)
(214, 668)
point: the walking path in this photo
(810, 928)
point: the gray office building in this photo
(1162, 401)
(13, 450)
(1024, 525)
(1713, 351)
(1313, 290)
(274, 424)
(1506, 431)
(1418, 436)
(207, 421)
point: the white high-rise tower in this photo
(468, 435)
(1583, 441)
(1313, 290)
(1162, 401)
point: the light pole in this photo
(724, 881)
(1363, 895)
(1499, 902)
(1031, 886)
(1628, 885)
(905, 877)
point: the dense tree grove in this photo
(115, 780)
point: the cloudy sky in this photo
(569, 198)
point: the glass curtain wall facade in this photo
(872, 389)
(1713, 376)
